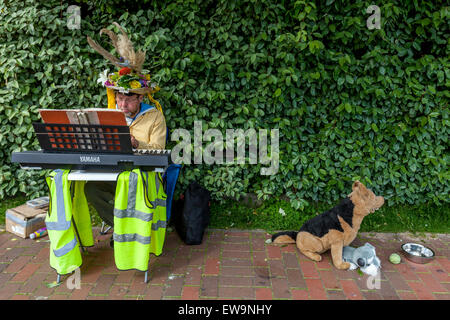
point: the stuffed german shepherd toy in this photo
(334, 228)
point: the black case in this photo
(191, 214)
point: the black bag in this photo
(191, 214)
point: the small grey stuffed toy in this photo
(363, 257)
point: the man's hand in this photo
(134, 142)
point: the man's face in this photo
(129, 104)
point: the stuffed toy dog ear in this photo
(365, 198)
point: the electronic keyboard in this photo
(144, 159)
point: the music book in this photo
(87, 129)
(84, 116)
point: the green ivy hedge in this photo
(349, 102)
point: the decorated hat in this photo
(129, 77)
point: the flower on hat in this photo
(127, 79)
(103, 77)
(124, 71)
(135, 84)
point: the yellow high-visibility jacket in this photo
(65, 240)
(139, 218)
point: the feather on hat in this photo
(130, 77)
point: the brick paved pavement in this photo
(230, 264)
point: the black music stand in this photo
(83, 138)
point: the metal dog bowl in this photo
(417, 253)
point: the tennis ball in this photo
(395, 258)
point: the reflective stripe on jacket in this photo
(139, 218)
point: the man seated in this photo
(147, 124)
(148, 131)
(126, 89)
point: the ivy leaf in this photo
(348, 107)
(374, 127)
(277, 92)
(315, 46)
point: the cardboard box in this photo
(24, 220)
